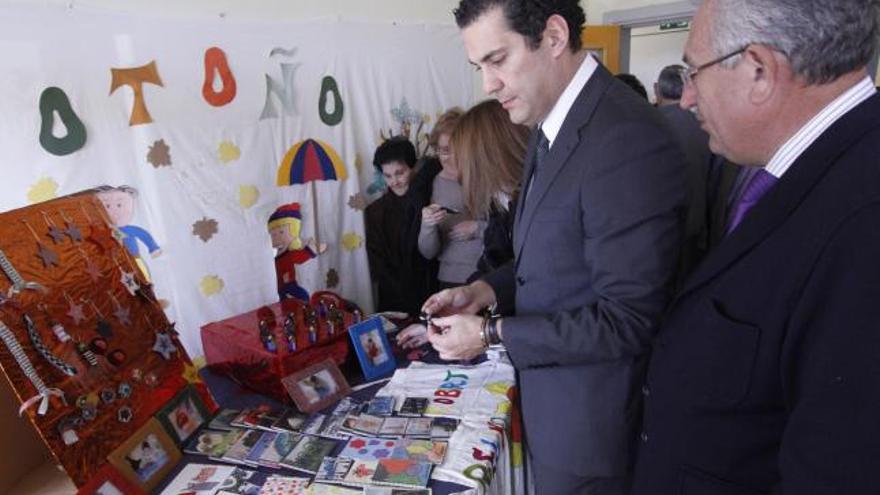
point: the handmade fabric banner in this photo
(212, 125)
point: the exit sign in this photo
(667, 26)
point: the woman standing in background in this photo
(448, 231)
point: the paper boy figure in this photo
(284, 227)
(119, 203)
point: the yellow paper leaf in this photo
(211, 285)
(351, 241)
(43, 190)
(248, 195)
(358, 162)
(228, 152)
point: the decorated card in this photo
(281, 445)
(314, 424)
(265, 441)
(239, 450)
(402, 472)
(432, 451)
(381, 406)
(212, 443)
(363, 424)
(308, 454)
(413, 406)
(240, 482)
(333, 470)
(394, 427)
(198, 479)
(367, 448)
(223, 419)
(419, 427)
(284, 485)
(291, 420)
(442, 428)
(334, 427)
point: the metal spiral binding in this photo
(44, 351)
(43, 392)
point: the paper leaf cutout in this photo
(351, 241)
(159, 154)
(211, 285)
(228, 152)
(43, 190)
(358, 162)
(357, 201)
(332, 278)
(248, 195)
(205, 228)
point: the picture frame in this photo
(147, 456)
(184, 415)
(109, 481)
(373, 348)
(317, 386)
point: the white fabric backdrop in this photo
(377, 67)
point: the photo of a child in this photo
(316, 387)
(147, 457)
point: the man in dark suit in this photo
(766, 373)
(710, 177)
(596, 239)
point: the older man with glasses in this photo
(765, 376)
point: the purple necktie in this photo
(759, 184)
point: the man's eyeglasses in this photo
(688, 74)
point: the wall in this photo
(596, 9)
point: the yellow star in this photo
(191, 373)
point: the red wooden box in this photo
(233, 346)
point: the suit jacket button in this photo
(520, 281)
(644, 437)
(646, 391)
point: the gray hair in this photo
(822, 39)
(669, 82)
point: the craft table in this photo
(230, 394)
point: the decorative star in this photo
(48, 256)
(93, 270)
(172, 328)
(56, 234)
(130, 282)
(191, 373)
(73, 232)
(104, 329)
(75, 312)
(123, 314)
(164, 345)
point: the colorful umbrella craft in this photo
(311, 160)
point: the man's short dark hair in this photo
(527, 17)
(634, 83)
(395, 149)
(669, 82)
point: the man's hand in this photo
(457, 337)
(467, 299)
(412, 336)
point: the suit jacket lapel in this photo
(566, 141)
(789, 192)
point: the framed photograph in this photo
(317, 386)
(372, 348)
(183, 415)
(108, 481)
(146, 457)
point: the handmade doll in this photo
(284, 228)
